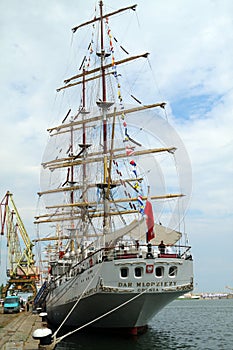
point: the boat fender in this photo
(91, 262)
(149, 256)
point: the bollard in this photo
(44, 335)
(43, 316)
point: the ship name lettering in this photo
(148, 284)
(125, 284)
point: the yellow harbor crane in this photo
(21, 270)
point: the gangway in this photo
(39, 300)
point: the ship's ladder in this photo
(41, 295)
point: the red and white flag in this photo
(149, 220)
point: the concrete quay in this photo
(16, 331)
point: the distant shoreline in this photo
(205, 296)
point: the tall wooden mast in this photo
(104, 105)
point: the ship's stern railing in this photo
(146, 251)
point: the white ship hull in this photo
(107, 300)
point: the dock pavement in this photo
(16, 331)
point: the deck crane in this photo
(21, 270)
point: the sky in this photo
(190, 45)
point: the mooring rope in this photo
(72, 309)
(98, 318)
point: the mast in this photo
(104, 105)
(106, 155)
(84, 124)
(102, 64)
(83, 152)
(71, 182)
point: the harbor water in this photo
(184, 324)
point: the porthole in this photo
(124, 272)
(138, 271)
(172, 271)
(159, 271)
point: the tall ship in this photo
(108, 219)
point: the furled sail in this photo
(137, 230)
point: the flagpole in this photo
(147, 233)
